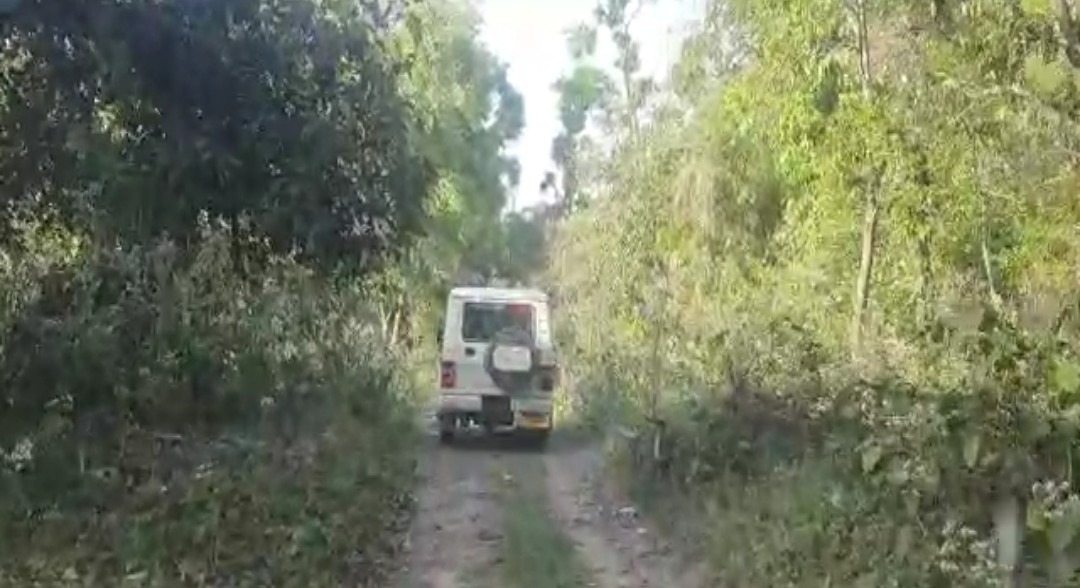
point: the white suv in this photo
(497, 364)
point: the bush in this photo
(167, 422)
(892, 481)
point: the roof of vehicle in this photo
(473, 292)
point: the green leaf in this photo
(1063, 530)
(1036, 517)
(1047, 78)
(1037, 7)
(1066, 376)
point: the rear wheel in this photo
(446, 429)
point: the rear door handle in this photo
(469, 352)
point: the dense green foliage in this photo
(244, 110)
(215, 216)
(832, 267)
(169, 422)
(466, 113)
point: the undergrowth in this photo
(168, 422)
(870, 483)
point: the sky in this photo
(529, 36)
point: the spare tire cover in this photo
(512, 382)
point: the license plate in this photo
(533, 422)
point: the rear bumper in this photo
(471, 402)
(529, 411)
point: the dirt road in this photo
(494, 513)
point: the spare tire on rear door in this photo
(511, 360)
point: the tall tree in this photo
(467, 112)
(281, 118)
(583, 92)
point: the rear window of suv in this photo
(481, 320)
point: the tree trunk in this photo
(939, 11)
(395, 326)
(656, 373)
(1071, 37)
(1008, 520)
(871, 185)
(863, 32)
(384, 320)
(631, 103)
(237, 245)
(569, 191)
(866, 267)
(988, 267)
(926, 277)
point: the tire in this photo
(513, 383)
(446, 429)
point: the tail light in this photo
(447, 374)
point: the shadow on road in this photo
(476, 441)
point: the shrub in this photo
(167, 422)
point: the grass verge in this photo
(535, 551)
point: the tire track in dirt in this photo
(457, 527)
(621, 550)
(456, 539)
